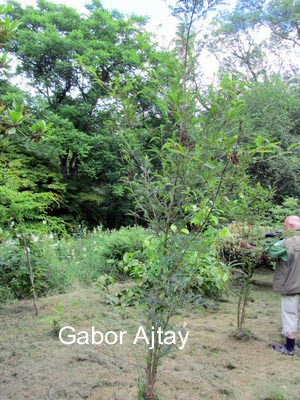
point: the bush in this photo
(58, 263)
(6, 294)
(209, 277)
(99, 252)
(278, 213)
(14, 275)
(118, 243)
(203, 274)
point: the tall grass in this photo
(98, 252)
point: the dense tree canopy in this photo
(86, 77)
(50, 44)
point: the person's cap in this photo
(292, 223)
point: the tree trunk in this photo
(31, 275)
(64, 164)
(73, 166)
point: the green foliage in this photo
(58, 263)
(127, 297)
(234, 42)
(83, 148)
(271, 108)
(242, 245)
(244, 249)
(118, 243)
(27, 194)
(203, 274)
(277, 394)
(180, 185)
(282, 18)
(7, 29)
(132, 264)
(231, 253)
(20, 202)
(104, 281)
(209, 277)
(96, 255)
(132, 131)
(80, 163)
(255, 38)
(6, 294)
(14, 275)
(278, 213)
(23, 198)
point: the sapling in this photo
(31, 274)
(248, 264)
(178, 190)
(250, 212)
(182, 178)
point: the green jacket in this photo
(287, 271)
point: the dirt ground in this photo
(35, 365)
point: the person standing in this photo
(286, 281)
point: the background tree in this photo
(272, 108)
(84, 145)
(83, 154)
(282, 18)
(22, 196)
(248, 34)
(238, 45)
(260, 37)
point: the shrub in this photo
(203, 274)
(58, 263)
(278, 213)
(6, 294)
(246, 261)
(14, 275)
(99, 252)
(210, 277)
(118, 243)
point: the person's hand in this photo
(247, 246)
(243, 244)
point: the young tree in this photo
(180, 185)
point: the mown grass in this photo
(212, 366)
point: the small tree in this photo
(250, 213)
(182, 179)
(180, 189)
